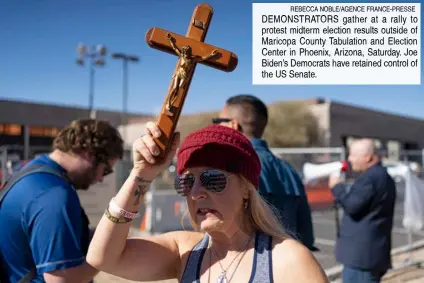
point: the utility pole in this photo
(125, 59)
(95, 55)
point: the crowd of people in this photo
(249, 210)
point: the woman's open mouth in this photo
(206, 212)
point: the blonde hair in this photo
(260, 216)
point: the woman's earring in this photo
(246, 203)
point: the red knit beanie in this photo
(220, 147)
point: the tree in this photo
(291, 124)
(193, 122)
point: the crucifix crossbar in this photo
(191, 50)
(224, 60)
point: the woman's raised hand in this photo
(145, 152)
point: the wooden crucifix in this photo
(191, 50)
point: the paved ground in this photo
(325, 232)
(404, 274)
(95, 200)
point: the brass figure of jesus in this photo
(180, 77)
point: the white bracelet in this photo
(114, 208)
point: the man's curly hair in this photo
(96, 137)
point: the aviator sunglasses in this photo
(212, 180)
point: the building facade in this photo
(29, 128)
(393, 134)
(30, 125)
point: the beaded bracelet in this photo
(115, 219)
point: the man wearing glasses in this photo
(44, 230)
(280, 184)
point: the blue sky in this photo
(38, 52)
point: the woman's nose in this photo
(198, 191)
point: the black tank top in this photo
(262, 260)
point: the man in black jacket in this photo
(364, 243)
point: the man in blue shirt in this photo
(42, 223)
(280, 185)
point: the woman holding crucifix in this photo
(237, 238)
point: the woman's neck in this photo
(224, 243)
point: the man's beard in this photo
(84, 181)
(83, 187)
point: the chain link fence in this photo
(413, 159)
(318, 192)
